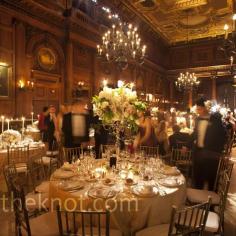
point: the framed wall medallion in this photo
(46, 58)
(5, 74)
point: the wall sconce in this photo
(22, 85)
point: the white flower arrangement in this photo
(9, 137)
(118, 105)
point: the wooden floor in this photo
(7, 218)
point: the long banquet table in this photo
(130, 211)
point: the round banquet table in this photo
(3, 161)
(129, 212)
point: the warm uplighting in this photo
(3, 64)
(28, 85)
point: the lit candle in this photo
(38, 116)
(2, 118)
(104, 83)
(191, 121)
(120, 83)
(234, 19)
(226, 27)
(23, 124)
(8, 124)
(131, 86)
(32, 118)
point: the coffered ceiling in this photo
(174, 19)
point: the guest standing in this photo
(209, 137)
(145, 136)
(162, 138)
(75, 125)
(41, 124)
(51, 122)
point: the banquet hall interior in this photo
(117, 117)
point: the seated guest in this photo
(178, 139)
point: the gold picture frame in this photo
(5, 75)
(46, 58)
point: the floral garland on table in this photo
(118, 107)
(9, 137)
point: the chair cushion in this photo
(52, 153)
(200, 196)
(36, 201)
(213, 222)
(158, 230)
(45, 225)
(21, 167)
(49, 160)
(113, 232)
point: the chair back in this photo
(225, 166)
(17, 155)
(21, 213)
(178, 157)
(9, 173)
(223, 192)
(72, 154)
(189, 220)
(83, 223)
(150, 151)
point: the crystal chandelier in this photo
(187, 81)
(121, 44)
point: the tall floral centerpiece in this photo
(118, 108)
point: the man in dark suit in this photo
(76, 124)
(178, 139)
(209, 137)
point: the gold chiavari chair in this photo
(183, 160)
(150, 151)
(184, 221)
(85, 223)
(43, 224)
(19, 158)
(71, 154)
(200, 195)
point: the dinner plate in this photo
(168, 170)
(145, 191)
(171, 182)
(67, 167)
(72, 185)
(102, 192)
(60, 174)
